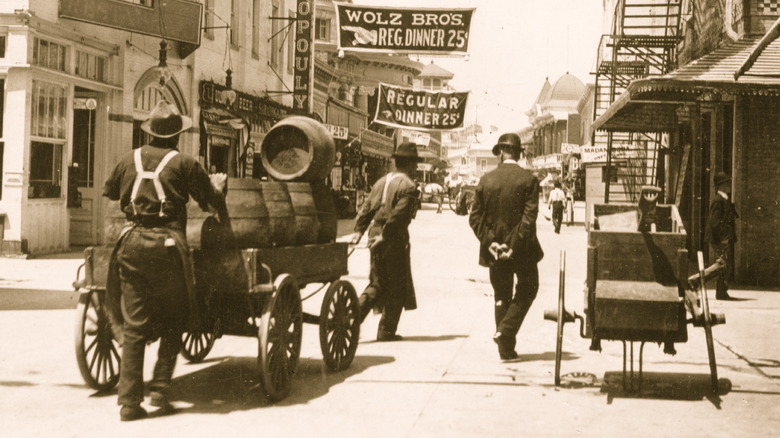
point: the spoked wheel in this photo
(97, 352)
(453, 201)
(196, 346)
(280, 334)
(707, 324)
(339, 325)
(561, 322)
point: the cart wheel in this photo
(280, 333)
(196, 346)
(707, 324)
(339, 325)
(561, 322)
(97, 352)
(453, 201)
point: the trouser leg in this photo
(170, 344)
(391, 315)
(131, 370)
(525, 293)
(502, 280)
(722, 285)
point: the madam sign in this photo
(402, 30)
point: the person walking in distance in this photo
(386, 214)
(555, 201)
(721, 231)
(503, 217)
(150, 292)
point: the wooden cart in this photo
(637, 288)
(243, 292)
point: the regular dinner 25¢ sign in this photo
(403, 30)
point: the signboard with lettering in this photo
(416, 137)
(420, 109)
(598, 154)
(303, 68)
(179, 19)
(402, 30)
(336, 131)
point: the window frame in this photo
(53, 131)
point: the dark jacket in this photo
(391, 220)
(721, 223)
(506, 204)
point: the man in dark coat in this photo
(503, 217)
(151, 284)
(721, 231)
(386, 214)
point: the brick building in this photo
(717, 111)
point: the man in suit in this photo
(721, 231)
(503, 217)
(386, 214)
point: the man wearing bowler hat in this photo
(150, 292)
(386, 214)
(503, 217)
(721, 231)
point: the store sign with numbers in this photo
(403, 30)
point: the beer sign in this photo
(402, 30)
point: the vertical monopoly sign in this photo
(403, 30)
(303, 72)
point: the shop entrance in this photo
(83, 192)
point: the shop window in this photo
(2, 46)
(323, 30)
(48, 110)
(92, 66)
(49, 54)
(45, 170)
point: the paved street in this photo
(443, 380)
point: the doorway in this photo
(84, 195)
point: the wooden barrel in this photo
(307, 224)
(326, 212)
(298, 149)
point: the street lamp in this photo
(162, 66)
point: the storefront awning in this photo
(746, 67)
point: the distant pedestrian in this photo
(386, 214)
(555, 202)
(721, 231)
(437, 192)
(150, 292)
(503, 217)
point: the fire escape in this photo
(645, 35)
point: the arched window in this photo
(146, 95)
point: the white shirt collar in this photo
(723, 194)
(509, 161)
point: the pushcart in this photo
(243, 292)
(637, 288)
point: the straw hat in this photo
(165, 121)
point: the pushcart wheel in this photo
(707, 324)
(339, 325)
(280, 333)
(561, 322)
(97, 352)
(195, 346)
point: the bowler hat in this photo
(721, 178)
(509, 139)
(407, 150)
(165, 121)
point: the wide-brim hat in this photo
(165, 121)
(407, 150)
(509, 139)
(721, 178)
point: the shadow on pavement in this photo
(234, 384)
(664, 386)
(421, 339)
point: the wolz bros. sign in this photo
(402, 30)
(419, 109)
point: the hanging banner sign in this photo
(303, 71)
(419, 109)
(402, 30)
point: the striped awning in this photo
(746, 67)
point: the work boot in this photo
(160, 400)
(132, 413)
(506, 348)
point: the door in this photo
(84, 191)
